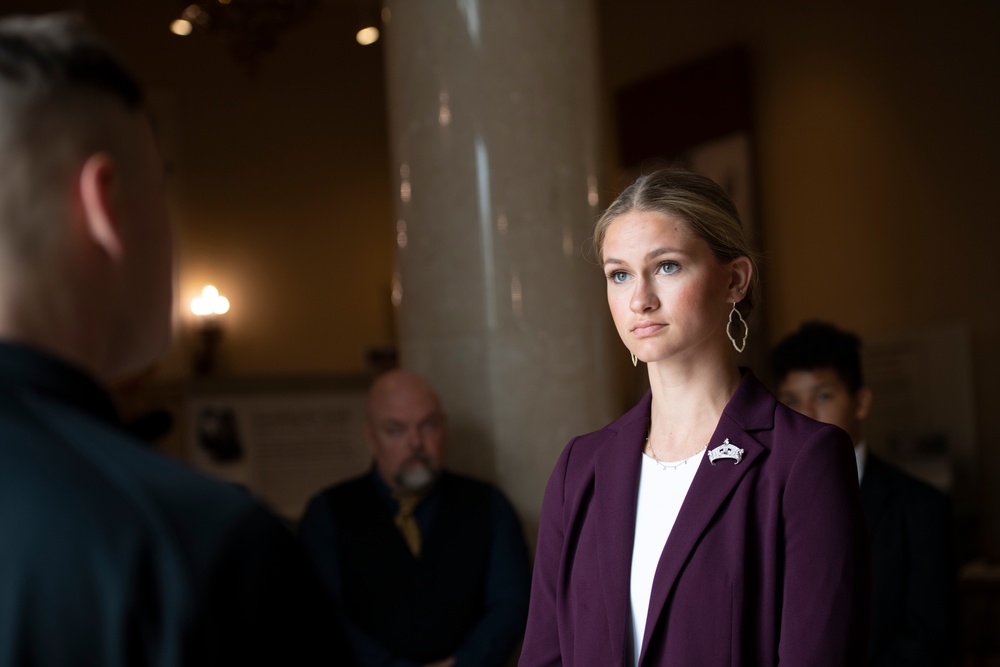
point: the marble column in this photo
(493, 114)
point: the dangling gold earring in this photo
(635, 360)
(739, 347)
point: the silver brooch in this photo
(726, 450)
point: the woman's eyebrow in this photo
(664, 251)
(652, 254)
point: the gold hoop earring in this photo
(739, 347)
(635, 360)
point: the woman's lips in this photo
(644, 329)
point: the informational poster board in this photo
(284, 443)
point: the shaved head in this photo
(63, 97)
(86, 247)
(397, 385)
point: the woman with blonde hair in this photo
(709, 525)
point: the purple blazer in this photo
(766, 565)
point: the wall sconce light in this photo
(208, 308)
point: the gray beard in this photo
(416, 475)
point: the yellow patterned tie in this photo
(407, 523)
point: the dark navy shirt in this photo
(114, 555)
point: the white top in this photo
(662, 488)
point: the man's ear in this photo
(863, 399)
(98, 182)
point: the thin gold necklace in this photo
(664, 465)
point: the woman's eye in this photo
(666, 268)
(618, 276)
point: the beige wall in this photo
(283, 198)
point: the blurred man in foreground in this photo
(113, 555)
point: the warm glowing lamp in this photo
(210, 303)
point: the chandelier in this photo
(248, 28)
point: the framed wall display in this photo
(282, 439)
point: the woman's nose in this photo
(643, 296)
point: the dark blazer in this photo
(766, 563)
(913, 569)
(114, 555)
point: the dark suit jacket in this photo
(115, 556)
(766, 563)
(913, 569)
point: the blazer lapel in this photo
(750, 408)
(616, 488)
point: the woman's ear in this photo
(740, 273)
(98, 183)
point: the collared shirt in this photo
(860, 454)
(425, 512)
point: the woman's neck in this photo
(686, 407)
